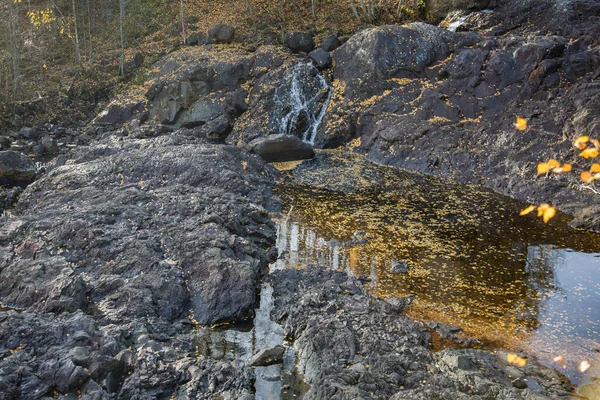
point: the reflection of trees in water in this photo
(469, 254)
(541, 262)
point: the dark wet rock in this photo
(221, 33)
(47, 146)
(4, 143)
(277, 148)
(331, 43)
(399, 267)
(266, 357)
(193, 91)
(115, 254)
(374, 55)
(217, 129)
(299, 41)
(321, 58)
(16, 167)
(197, 39)
(365, 349)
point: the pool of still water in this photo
(512, 282)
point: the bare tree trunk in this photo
(13, 14)
(283, 23)
(77, 52)
(182, 21)
(90, 37)
(314, 12)
(121, 21)
(354, 10)
(253, 17)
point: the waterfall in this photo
(457, 23)
(301, 102)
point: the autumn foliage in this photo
(588, 149)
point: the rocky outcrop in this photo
(144, 237)
(350, 345)
(197, 88)
(426, 99)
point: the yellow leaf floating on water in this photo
(584, 366)
(586, 177)
(516, 360)
(542, 208)
(542, 168)
(521, 124)
(581, 141)
(589, 153)
(527, 210)
(549, 213)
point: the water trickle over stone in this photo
(301, 101)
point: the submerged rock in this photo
(279, 148)
(267, 357)
(351, 345)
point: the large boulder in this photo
(299, 41)
(221, 33)
(16, 167)
(374, 55)
(278, 148)
(143, 228)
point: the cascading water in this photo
(301, 102)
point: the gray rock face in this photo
(277, 148)
(299, 41)
(350, 345)
(181, 226)
(267, 357)
(392, 52)
(115, 254)
(16, 167)
(221, 33)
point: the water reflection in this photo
(472, 260)
(274, 382)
